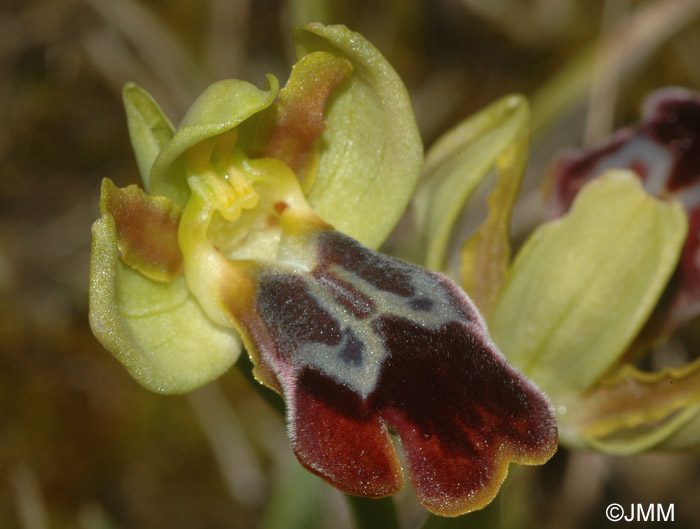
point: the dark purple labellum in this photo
(664, 150)
(365, 343)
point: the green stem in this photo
(373, 513)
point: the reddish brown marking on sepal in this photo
(146, 230)
(299, 113)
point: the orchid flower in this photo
(664, 152)
(257, 230)
(590, 288)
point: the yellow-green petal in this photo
(155, 329)
(687, 436)
(633, 410)
(221, 107)
(149, 128)
(583, 285)
(485, 256)
(370, 155)
(672, 433)
(457, 163)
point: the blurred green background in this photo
(81, 444)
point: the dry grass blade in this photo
(630, 42)
(227, 37)
(162, 52)
(236, 460)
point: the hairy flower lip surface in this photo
(234, 245)
(419, 361)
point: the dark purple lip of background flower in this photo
(664, 150)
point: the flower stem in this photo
(369, 513)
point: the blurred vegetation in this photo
(81, 445)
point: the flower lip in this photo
(392, 343)
(427, 370)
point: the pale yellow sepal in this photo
(678, 431)
(583, 285)
(457, 163)
(156, 329)
(370, 155)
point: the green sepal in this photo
(370, 155)
(582, 286)
(457, 163)
(149, 128)
(221, 107)
(680, 431)
(686, 436)
(155, 329)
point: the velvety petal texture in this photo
(262, 209)
(367, 342)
